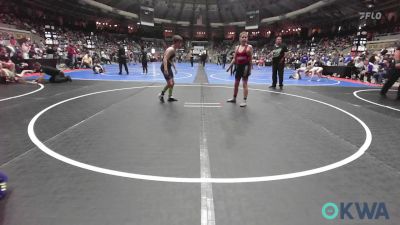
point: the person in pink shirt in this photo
(71, 55)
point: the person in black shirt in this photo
(19, 61)
(203, 58)
(122, 59)
(144, 60)
(50, 52)
(223, 60)
(393, 74)
(232, 69)
(278, 62)
(218, 60)
(56, 75)
(191, 58)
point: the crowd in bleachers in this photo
(72, 49)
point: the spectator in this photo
(71, 55)
(87, 61)
(19, 61)
(369, 70)
(382, 73)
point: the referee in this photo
(278, 62)
(122, 59)
(144, 60)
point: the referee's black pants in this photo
(123, 62)
(277, 70)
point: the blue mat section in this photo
(263, 75)
(186, 74)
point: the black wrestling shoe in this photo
(172, 99)
(232, 100)
(161, 97)
(272, 87)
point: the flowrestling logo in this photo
(355, 210)
(370, 15)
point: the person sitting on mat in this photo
(87, 61)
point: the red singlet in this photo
(241, 58)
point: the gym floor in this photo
(104, 150)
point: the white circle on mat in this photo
(44, 148)
(365, 100)
(29, 93)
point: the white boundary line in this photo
(365, 100)
(18, 96)
(351, 158)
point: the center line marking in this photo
(202, 103)
(207, 199)
(202, 106)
